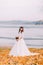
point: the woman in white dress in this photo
(20, 48)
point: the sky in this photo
(30, 10)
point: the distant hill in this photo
(40, 22)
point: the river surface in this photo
(33, 34)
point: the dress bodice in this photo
(21, 34)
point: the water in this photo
(33, 34)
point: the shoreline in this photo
(9, 47)
(30, 46)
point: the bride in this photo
(20, 48)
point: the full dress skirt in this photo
(19, 49)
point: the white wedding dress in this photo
(20, 48)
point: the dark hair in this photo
(20, 29)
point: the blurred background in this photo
(26, 13)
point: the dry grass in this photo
(5, 59)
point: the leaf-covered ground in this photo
(5, 59)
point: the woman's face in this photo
(21, 29)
